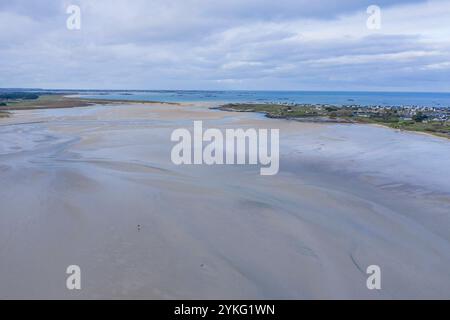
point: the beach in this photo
(95, 187)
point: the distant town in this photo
(434, 120)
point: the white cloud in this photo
(206, 44)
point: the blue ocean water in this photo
(313, 97)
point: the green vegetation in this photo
(273, 110)
(403, 118)
(18, 96)
(44, 101)
(52, 101)
(436, 128)
(11, 98)
(419, 117)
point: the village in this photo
(434, 120)
(404, 113)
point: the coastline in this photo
(274, 113)
(428, 134)
(60, 101)
(57, 101)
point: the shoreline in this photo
(323, 119)
(63, 101)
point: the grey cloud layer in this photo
(245, 44)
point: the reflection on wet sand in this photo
(95, 187)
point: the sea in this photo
(338, 98)
(441, 100)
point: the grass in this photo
(44, 101)
(273, 111)
(437, 128)
(51, 101)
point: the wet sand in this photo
(76, 183)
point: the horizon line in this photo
(223, 90)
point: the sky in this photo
(226, 45)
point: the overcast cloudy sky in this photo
(226, 44)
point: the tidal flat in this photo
(95, 187)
